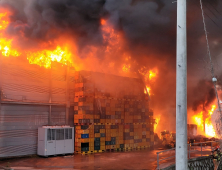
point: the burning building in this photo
(43, 44)
(33, 97)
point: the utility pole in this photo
(181, 88)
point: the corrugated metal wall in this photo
(25, 83)
(18, 128)
(19, 125)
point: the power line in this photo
(209, 54)
(210, 10)
(215, 8)
(208, 16)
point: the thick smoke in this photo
(203, 95)
(41, 21)
(149, 31)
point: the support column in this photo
(1, 91)
(67, 96)
(181, 88)
(50, 97)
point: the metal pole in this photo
(50, 97)
(67, 96)
(189, 151)
(158, 161)
(181, 88)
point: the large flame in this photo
(205, 124)
(63, 54)
(147, 89)
(4, 21)
(209, 129)
(45, 57)
(152, 74)
(6, 48)
(157, 120)
(148, 74)
(6, 44)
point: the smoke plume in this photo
(148, 30)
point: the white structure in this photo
(55, 140)
(181, 88)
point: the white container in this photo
(55, 140)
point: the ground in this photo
(130, 160)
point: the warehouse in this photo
(109, 112)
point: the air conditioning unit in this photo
(55, 140)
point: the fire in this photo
(6, 44)
(3, 20)
(103, 21)
(205, 124)
(63, 54)
(211, 111)
(41, 58)
(111, 37)
(45, 57)
(156, 122)
(148, 74)
(152, 74)
(198, 118)
(6, 48)
(209, 129)
(126, 68)
(147, 89)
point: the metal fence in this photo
(194, 150)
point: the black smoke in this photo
(149, 29)
(203, 95)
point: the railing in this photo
(197, 149)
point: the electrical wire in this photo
(210, 10)
(206, 14)
(211, 64)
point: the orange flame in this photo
(211, 111)
(209, 129)
(126, 68)
(157, 120)
(6, 48)
(149, 75)
(6, 44)
(198, 119)
(207, 124)
(3, 20)
(45, 57)
(110, 36)
(152, 74)
(103, 21)
(147, 89)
